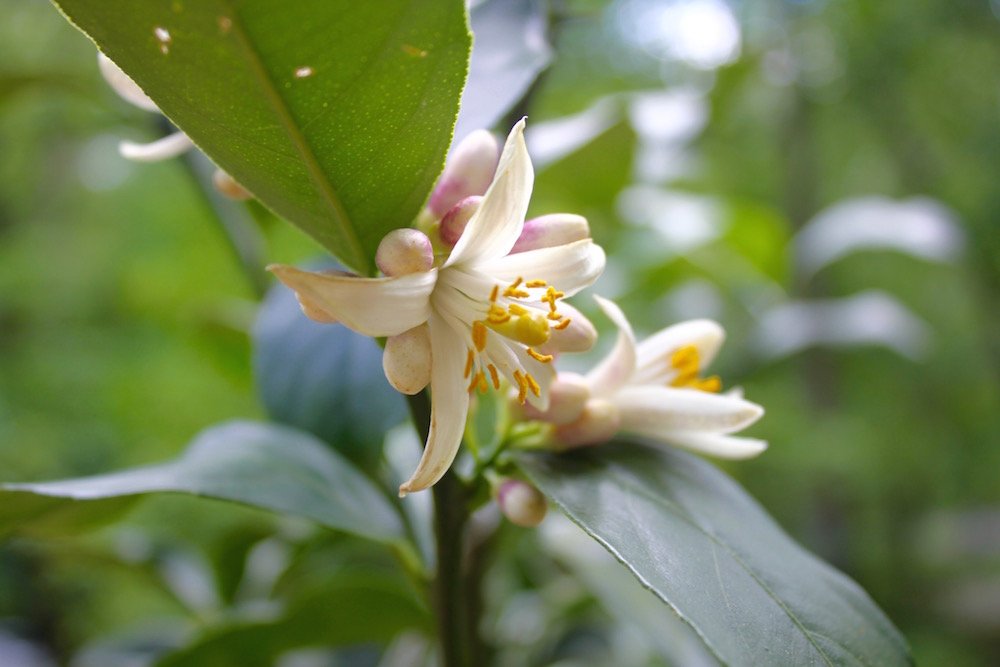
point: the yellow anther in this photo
(513, 292)
(712, 384)
(535, 283)
(687, 362)
(551, 295)
(481, 384)
(533, 385)
(522, 387)
(497, 315)
(517, 310)
(494, 293)
(562, 325)
(494, 375)
(544, 358)
(475, 382)
(468, 363)
(527, 328)
(553, 315)
(479, 335)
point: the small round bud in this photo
(228, 186)
(407, 360)
(598, 423)
(521, 502)
(404, 251)
(455, 220)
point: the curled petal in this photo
(551, 230)
(407, 360)
(579, 336)
(370, 306)
(494, 228)
(468, 172)
(569, 268)
(169, 146)
(616, 368)
(653, 354)
(714, 444)
(449, 407)
(123, 84)
(655, 411)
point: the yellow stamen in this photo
(474, 383)
(497, 315)
(536, 283)
(494, 293)
(494, 375)
(479, 335)
(522, 387)
(533, 385)
(527, 328)
(468, 363)
(562, 325)
(481, 384)
(544, 358)
(513, 292)
(517, 310)
(687, 362)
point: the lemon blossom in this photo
(654, 389)
(464, 321)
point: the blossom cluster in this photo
(473, 298)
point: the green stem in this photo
(451, 514)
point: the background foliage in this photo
(126, 324)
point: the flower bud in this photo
(469, 171)
(521, 502)
(404, 251)
(551, 230)
(568, 395)
(407, 360)
(457, 217)
(228, 186)
(579, 336)
(598, 423)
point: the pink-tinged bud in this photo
(551, 230)
(228, 186)
(407, 360)
(568, 395)
(404, 251)
(469, 171)
(598, 423)
(579, 336)
(521, 503)
(454, 221)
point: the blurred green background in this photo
(820, 177)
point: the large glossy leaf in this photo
(261, 465)
(323, 378)
(704, 547)
(337, 114)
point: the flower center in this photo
(516, 315)
(687, 362)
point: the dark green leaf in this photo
(703, 546)
(337, 114)
(348, 609)
(323, 378)
(261, 465)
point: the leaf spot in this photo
(303, 72)
(163, 37)
(411, 50)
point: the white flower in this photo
(482, 312)
(655, 390)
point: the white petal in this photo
(714, 444)
(579, 336)
(494, 228)
(616, 368)
(653, 354)
(449, 408)
(569, 268)
(654, 411)
(407, 360)
(370, 306)
(169, 146)
(598, 423)
(123, 84)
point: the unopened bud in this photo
(469, 171)
(457, 217)
(568, 395)
(404, 251)
(228, 186)
(598, 423)
(407, 360)
(578, 336)
(551, 230)
(521, 502)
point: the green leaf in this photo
(336, 114)
(703, 546)
(261, 465)
(323, 378)
(350, 609)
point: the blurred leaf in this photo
(265, 466)
(704, 547)
(349, 609)
(510, 51)
(336, 114)
(323, 378)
